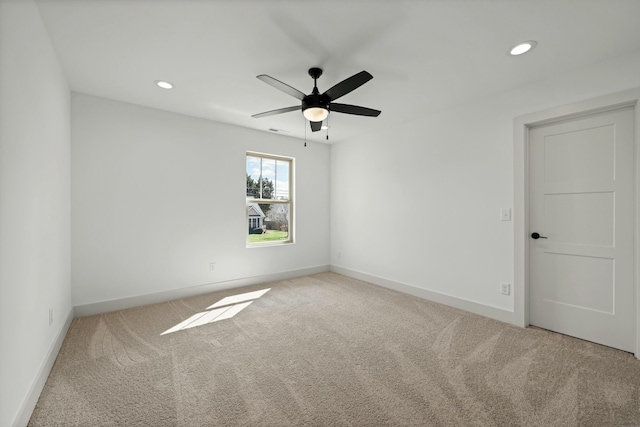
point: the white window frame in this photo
(260, 200)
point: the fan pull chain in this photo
(305, 132)
(327, 128)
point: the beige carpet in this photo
(326, 350)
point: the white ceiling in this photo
(425, 56)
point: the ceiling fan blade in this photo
(278, 111)
(316, 126)
(347, 85)
(281, 86)
(353, 109)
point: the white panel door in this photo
(581, 203)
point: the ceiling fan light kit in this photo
(316, 106)
(315, 114)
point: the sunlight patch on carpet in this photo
(226, 308)
(234, 299)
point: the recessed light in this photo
(163, 84)
(523, 47)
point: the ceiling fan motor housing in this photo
(315, 100)
(315, 107)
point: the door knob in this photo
(537, 236)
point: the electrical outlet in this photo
(50, 316)
(212, 266)
(505, 288)
(339, 254)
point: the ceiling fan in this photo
(316, 106)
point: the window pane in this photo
(268, 178)
(282, 180)
(253, 176)
(268, 222)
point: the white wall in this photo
(34, 208)
(434, 186)
(157, 196)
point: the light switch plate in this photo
(505, 214)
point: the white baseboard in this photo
(29, 403)
(136, 301)
(471, 306)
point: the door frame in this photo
(521, 126)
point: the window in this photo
(269, 199)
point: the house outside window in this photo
(269, 195)
(256, 216)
